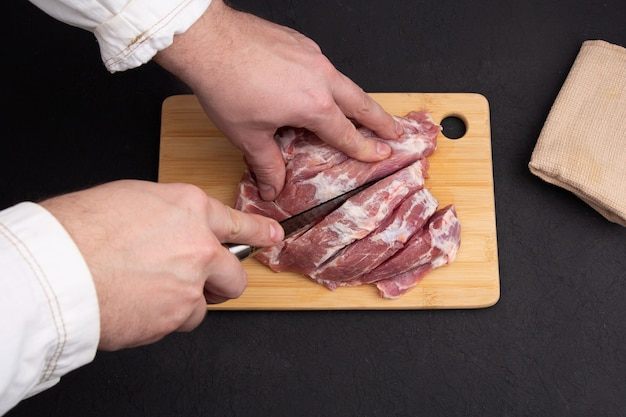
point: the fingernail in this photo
(383, 149)
(276, 232)
(267, 192)
(399, 128)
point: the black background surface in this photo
(554, 345)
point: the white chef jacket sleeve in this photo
(49, 315)
(129, 32)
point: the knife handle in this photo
(240, 250)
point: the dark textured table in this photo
(553, 345)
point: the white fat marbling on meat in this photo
(417, 147)
(361, 223)
(327, 187)
(398, 230)
(441, 239)
(392, 234)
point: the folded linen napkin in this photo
(582, 146)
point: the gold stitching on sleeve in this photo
(54, 307)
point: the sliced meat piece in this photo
(441, 237)
(435, 245)
(397, 286)
(365, 254)
(355, 219)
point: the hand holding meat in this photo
(155, 254)
(253, 77)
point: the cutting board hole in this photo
(453, 127)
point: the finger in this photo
(341, 133)
(213, 298)
(252, 229)
(266, 161)
(195, 317)
(227, 278)
(358, 105)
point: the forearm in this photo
(202, 56)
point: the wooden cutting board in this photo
(194, 151)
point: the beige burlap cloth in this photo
(582, 146)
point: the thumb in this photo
(264, 158)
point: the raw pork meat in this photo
(366, 254)
(317, 172)
(433, 246)
(390, 234)
(439, 238)
(355, 219)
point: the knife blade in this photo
(300, 222)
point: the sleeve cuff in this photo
(143, 28)
(58, 327)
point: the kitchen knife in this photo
(301, 221)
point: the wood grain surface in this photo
(194, 151)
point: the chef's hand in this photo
(253, 76)
(155, 256)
